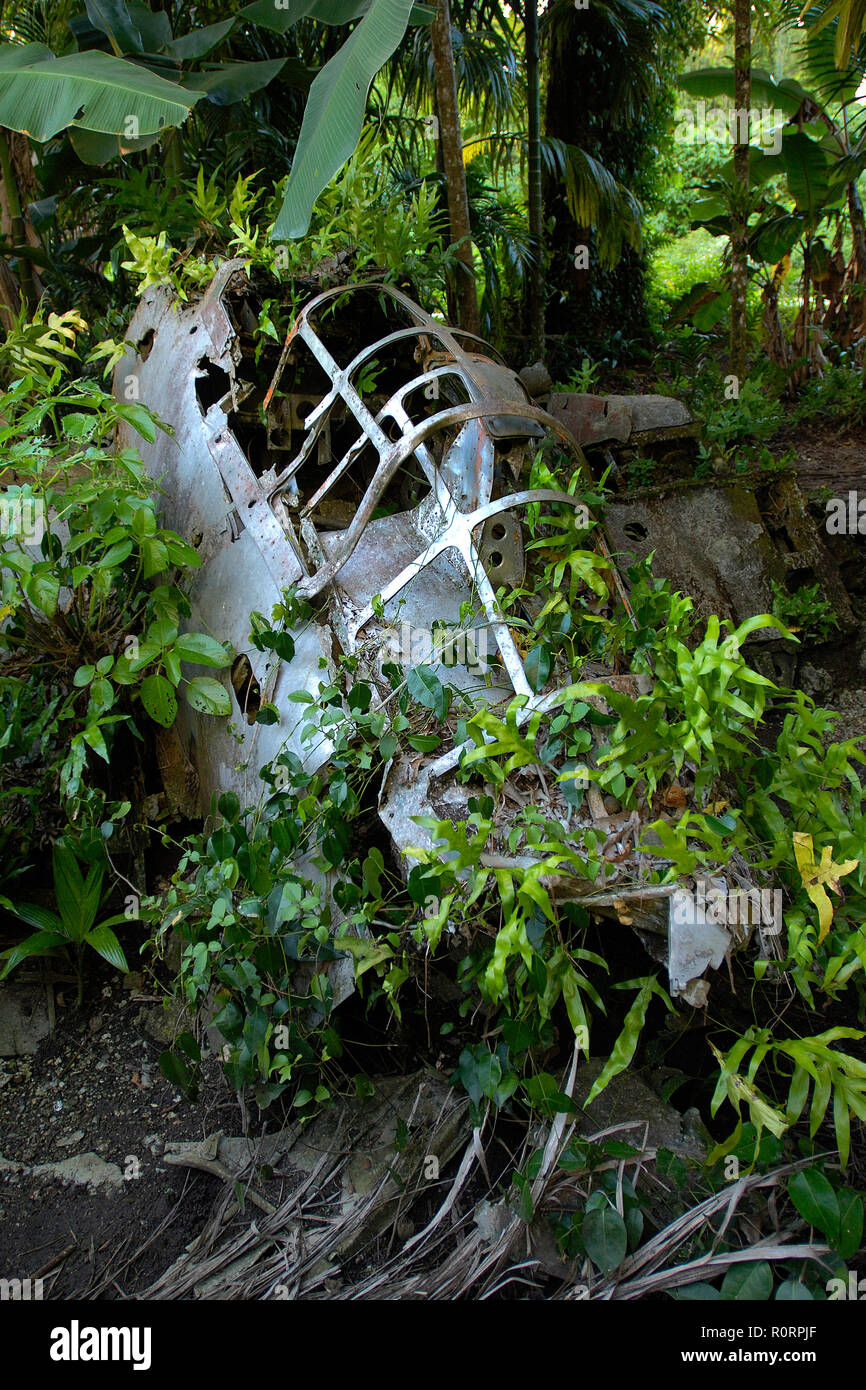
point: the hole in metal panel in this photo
(212, 384)
(246, 688)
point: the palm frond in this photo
(485, 65)
(629, 32)
(39, 21)
(817, 54)
(596, 199)
(849, 17)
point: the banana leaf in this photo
(153, 25)
(231, 82)
(776, 237)
(199, 42)
(42, 95)
(93, 147)
(787, 95)
(335, 109)
(114, 19)
(279, 21)
(145, 32)
(807, 171)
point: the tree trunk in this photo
(858, 233)
(534, 197)
(585, 303)
(739, 221)
(451, 143)
(18, 231)
(855, 304)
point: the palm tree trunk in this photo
(534, 196)
(739, 220)
(855, 305)
(451, 144)
(858, 228)
(18, 231)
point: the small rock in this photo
(651, 837)
(162, 1024)
(87, 1170)
(626, 1098)
(656, 412)
(813, 681)
(67, 1141)
(24, 1019)
(536, 379)
(491, 1218)
(173, 948)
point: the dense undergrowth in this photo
(275, 901)
(93, 655)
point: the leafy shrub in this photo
(806, 611)
(361, 211)
(74, 925)
(82, 615)
(255, 940)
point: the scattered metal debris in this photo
(752, 530)
(636, 420)
(748, 538)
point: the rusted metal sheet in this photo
(212, 497)
(625, 419)
(724, 544)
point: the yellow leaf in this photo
(471, 148)
(815, 875)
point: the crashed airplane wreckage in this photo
(377, 475)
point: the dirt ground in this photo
(94, 1087)
(823, 460)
